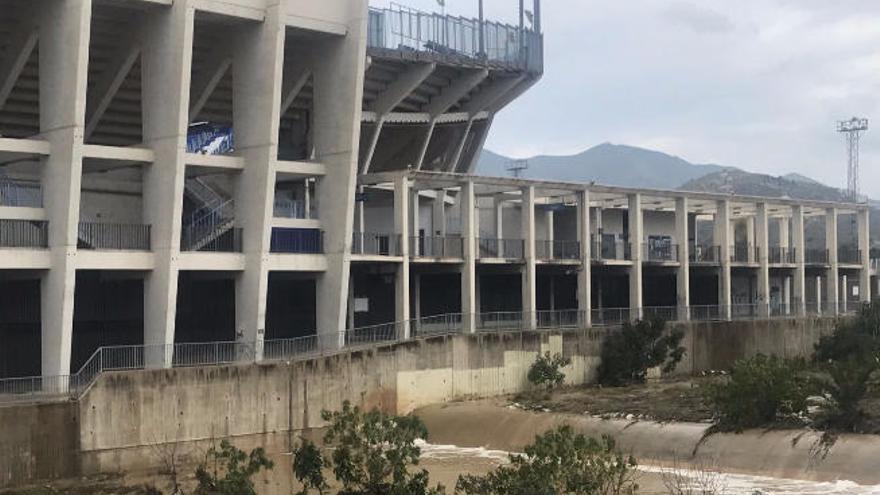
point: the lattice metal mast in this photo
(853, 129)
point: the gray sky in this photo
(757, 84)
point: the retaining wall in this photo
(127, 419)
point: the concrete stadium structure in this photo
(176, 174)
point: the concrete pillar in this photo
(166, 71)
(833, 274)
(469, 307)
(786, 295)
(415, 221)
(359, 205)
(818, 295)
(763, 240)
(401, 228)
(585, 273)
(257, 73)
(722, 237)
(784, 234)
(527, 215)
(307, 198)
(548, 219)
(844, 294)
(499, 223)
(800, 294)
(439, 214)
(864, 227)
(338, 65)
(64, 53)
(416, 281)
(751, 235)
(682, 282)
(635, 240)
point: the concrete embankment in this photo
(795, 454)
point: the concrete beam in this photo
(423, 150)
(21, 46)
(407, 82)
(205, 82)
(294, 82)
(458, 89)
(108, 84)
(491, 94)
(459, 148)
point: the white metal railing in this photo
(20, 193)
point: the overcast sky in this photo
(757, 84)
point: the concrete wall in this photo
(113, 426)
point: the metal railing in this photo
(502, 320)
(211, 239)
(19, 193)
(297, 241)
(744, 253)
(609, 316)
(511, 249)
(816, 256)
(444, 324)
(565, 318)
(850, 256)
(610, 247)
(781, 255)
(368, 243)
(403, 28)
(93, 235)
(700, 253)
(709, 312)
(557, 250)
(437, 247)
(290, 208)
(24, 234)
(660, 252)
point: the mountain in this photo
(735, 181)
(609, 164)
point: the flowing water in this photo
(444, 461)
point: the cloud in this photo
(698, 18)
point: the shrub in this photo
(236, 467)
(559, 463)
(546, 370)
(373, 454)
(628, 354)
(760, 390)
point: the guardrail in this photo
(217, 239)
(557, 250)
(24, 234)
(744, 253)
(660, 253)
(297, 241)
(781, 255)
(289, 208)
(704, 254)
(19, 193)
(610, 248)
(182, 355)
(816, 256)
(511, 249)
(368, 243)
(93, 235)
(437, 247)
(849, 256)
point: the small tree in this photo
(373, 454)
(228, 471)
(546, 371)
(760, 390)
(559, 463)
(628, 354)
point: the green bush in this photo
(546, 371)
(760, 391)
(628, 354)
(228, 471)
(559, 463)
(373, 454)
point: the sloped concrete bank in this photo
(118, 424)
(793, 454)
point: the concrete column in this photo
(864, 227)
(527, 215)
(682, 282)
(585, 273)
(751, 235)
(499, 223)
(359, 205)
(844, 294)
(64, 53)
(307, 198)
(722, 237)
(833, 273)
(401, 228)
(786, 295)
(469, 307)
(257, 73)
(762, 237)
(548, 219)
(800, 294)
(439, 214)
(635, 239)
(414, 220)
(338, 67)
(784, 235)
(416, 281)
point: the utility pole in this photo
(853, 129)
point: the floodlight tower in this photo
(516, 167)
(853, 129)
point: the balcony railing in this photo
(24, 234)
(512, 249)
(849, 256)
(405, 29)
(437, 247)
(557, 250)
(20, 193)
(744, 253)
(705, 254)
(782, 255)
(367, 243)
(297, 241)
(816, 256)
(660, 253)
(610, 247)
(113, 236)
(211, 239)
(290, 208)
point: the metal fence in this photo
(302, 241)
(557, 250)
(659, 253)
(744, 253)
(20, 193)
(849, 256)
(24, 234)
(289, 208)
(211, 239)
(700, 253)
(436, 325)
(113, 236)
(782, 255)
(437, 247)
(368, 243)
(816, 256)
(511, 249)
(609, 247)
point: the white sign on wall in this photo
(361, 305)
